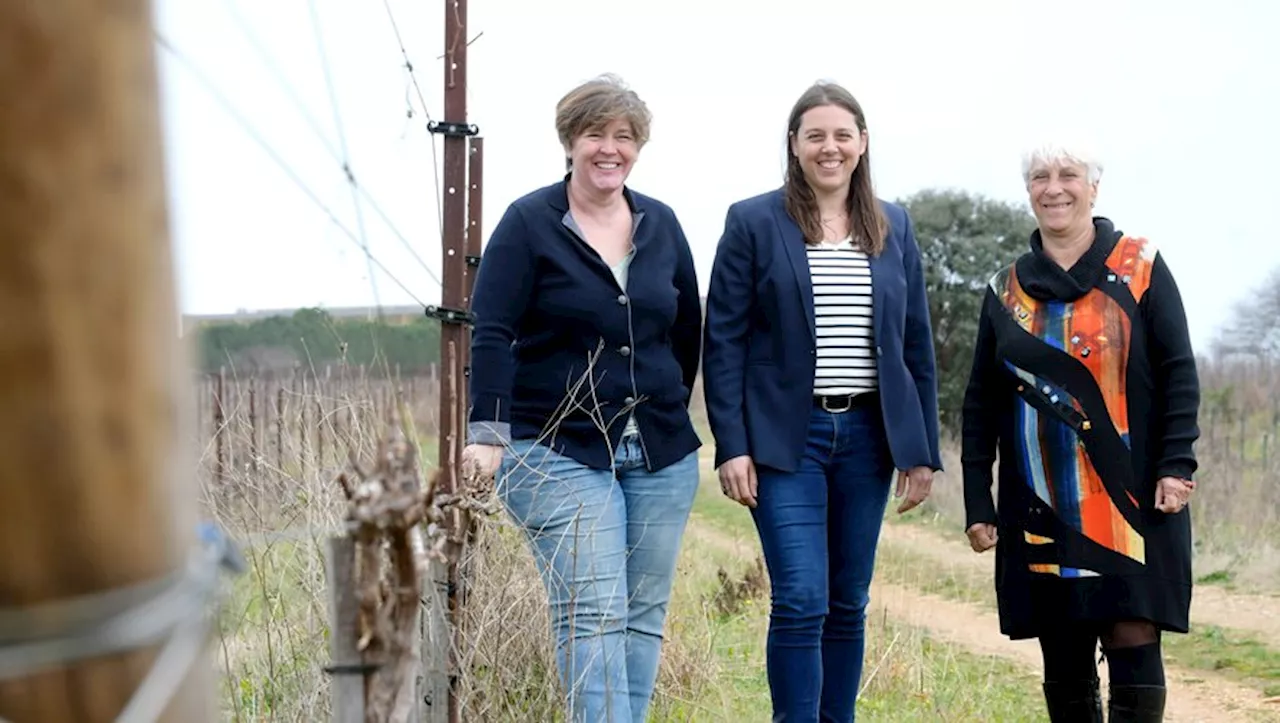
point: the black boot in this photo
(1073, 702)
(1136, 704)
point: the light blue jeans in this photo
(605, 543)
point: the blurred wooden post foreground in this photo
(93, 492)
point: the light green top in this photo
(620, 271)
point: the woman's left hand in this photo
(1172, 494)
(915, 483)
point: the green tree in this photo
(964, 239)
(313, 336)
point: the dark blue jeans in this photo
(819, 527)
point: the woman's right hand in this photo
(482, 458)
(738, 480)
(982, 536)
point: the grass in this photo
(273, 636)
(274, 631)
(907, 676)
(1233, 654)
(274, 640)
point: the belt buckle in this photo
(848, 405)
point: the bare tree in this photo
(1254, 329)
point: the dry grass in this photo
(281, 502)
(268, 477)
(277, 496)
(508, 661)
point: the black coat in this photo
(559, 349)
(1086, 384)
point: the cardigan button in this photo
(625, 351)
(622, 299)
(629, 401)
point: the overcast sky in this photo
(1174, 94)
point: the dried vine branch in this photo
(386, 506)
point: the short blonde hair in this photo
(1050, 154)
(598, 102)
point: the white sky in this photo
(1173, 93)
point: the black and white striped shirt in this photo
(842, 302)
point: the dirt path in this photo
(1193, 697)
(1258, 615)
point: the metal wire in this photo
(178, 606)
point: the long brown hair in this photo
(867, 222)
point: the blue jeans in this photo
(819, 527)
(605, 543)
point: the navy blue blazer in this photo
(548, 309)
(759, 347)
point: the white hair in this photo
(1053, 154)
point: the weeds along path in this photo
(1193, 698)
(1258, 615)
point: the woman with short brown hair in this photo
(586, 347)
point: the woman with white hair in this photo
(1084, 382)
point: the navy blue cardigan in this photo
(760, 348)
(559, 351)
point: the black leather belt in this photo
(837, 403)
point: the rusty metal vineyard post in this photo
(452, 312)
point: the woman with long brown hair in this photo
(819, 377)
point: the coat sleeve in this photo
(686, 335)
(1177, 382)
(730, 305)
(918, 353)
(980, 435)
(503, 289)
